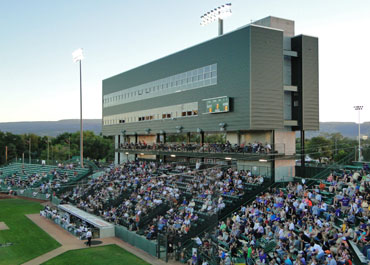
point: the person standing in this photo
(89, 236)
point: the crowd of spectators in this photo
(297, 224)
(140, 196)
(256, 147)
(43, 182)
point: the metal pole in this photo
(29, 152)
(69, 151)
(220, 27)
(6, 154)
(23, 159)
(81, 125)
(48, 151)
(359, 136)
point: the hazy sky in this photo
(39, 81)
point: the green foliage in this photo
(29, 241)
(329, 147)
(110, 254)
(58, 148)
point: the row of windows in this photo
(168, 112)
(152, 117)
(201, 77)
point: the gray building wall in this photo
(278, 23)
(267, 95)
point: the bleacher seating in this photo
(22, 176)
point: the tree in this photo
(319, 147)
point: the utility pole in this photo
(77, 57)
(29, 151)
(359, 108)
(47, 161)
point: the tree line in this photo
(334, 147)
(60, 148)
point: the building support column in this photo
(303, 154)
(273, 158)
(201, 138)
(188, 137)
(119, 150)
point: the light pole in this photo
(29, 151)
(47, 140)
(219, 14)
(69, 147)
(359, 108)
(77, 57)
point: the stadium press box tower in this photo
(256, 83)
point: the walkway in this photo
(70, 242)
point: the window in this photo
(189, 113)
(207, 75)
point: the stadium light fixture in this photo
(359, 108)
(228, 158)
(127, 153)
(141, 154)
(77, 56)
(262, 160)
(173, 155)
(219, 14)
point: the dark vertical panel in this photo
(310, 92)
(305, 75)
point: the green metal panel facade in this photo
(252, 55)
(267, 94)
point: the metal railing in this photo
(208, 148)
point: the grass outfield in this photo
(29, 241)
(110, 254)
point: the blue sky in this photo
(39, 81)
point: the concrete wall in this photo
(278, 23)
(233, 138)
(285, 142)
(256, 136)
(148, 139)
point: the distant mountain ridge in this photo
(54, 128)
(347, 129)
(51, 128)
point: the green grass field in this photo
(29, 241)
(110, 254)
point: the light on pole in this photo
(69, 147)
(47, 141)
(359, 108)
(29, 151)
(219, 14)
(77, 57)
